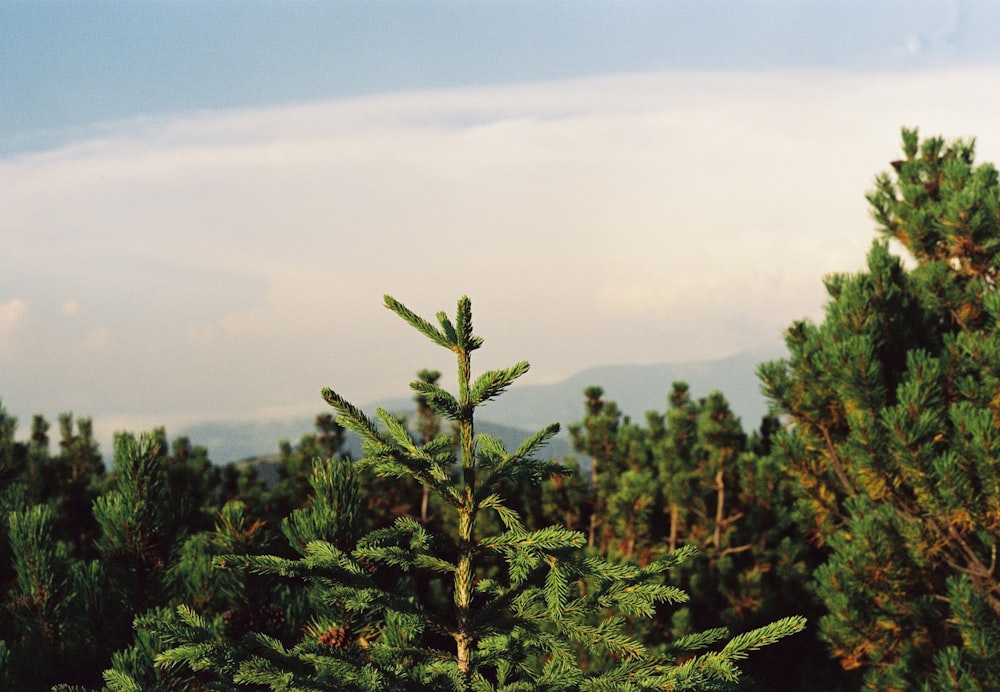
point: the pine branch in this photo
(739, 646)
(353, 418)
(437, 398)
(419, 323)
(493, 383)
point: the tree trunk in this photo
(720, 508)
(595, 510)
(424, 502)
(675, 520)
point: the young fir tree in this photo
(517, 602)
(894, 432)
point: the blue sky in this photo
(68, 66)
(204, 202)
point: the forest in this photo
(847, 543)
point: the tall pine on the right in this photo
(893, 412)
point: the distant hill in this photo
(242, 441)
(636, 389)
(526, 408)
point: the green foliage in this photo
(335, 513)
(37, 601)
(691, 477)
(403, 607)
(79, 574)
(295, 467)
(893, 438)
(138, 520)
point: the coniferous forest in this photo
(849, 542)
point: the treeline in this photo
(98, 560)
(679, 552)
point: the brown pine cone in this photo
(337, 637)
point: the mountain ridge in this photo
(526, 408)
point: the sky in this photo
(204, 202)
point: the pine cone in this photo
(337, 637)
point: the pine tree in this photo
(86, 554)
(13, 469)
(78, 472)
(626, 495)
(894, 430)
(37, 600)
(294, 469)
(48, 614)
(508, 608)
(193, 481)
(675, 453)
(693, 477)
(143, 519)
(595, 438)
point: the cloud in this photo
(234, 262)
(11, 314)
(938, 32)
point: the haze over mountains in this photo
(525, 408)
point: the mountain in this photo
(244, 440)
(636, 389)
(526, 408)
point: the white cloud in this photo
(11, 314)
(629, 218)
